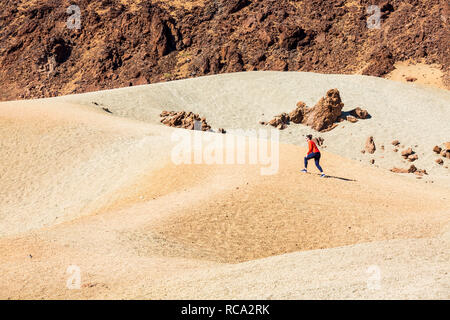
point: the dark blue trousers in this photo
(316, 157)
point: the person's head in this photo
(309, 137)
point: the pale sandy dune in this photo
(79, 186)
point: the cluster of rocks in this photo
(280, 121)
(444, 152)
(410, 155)
(411, 169)
(323, 117)
(407, 154)
(184, 120)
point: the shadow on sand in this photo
(339, 178)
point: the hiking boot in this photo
(304, 170)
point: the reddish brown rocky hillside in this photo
(130, 42)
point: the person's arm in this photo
(310, 147)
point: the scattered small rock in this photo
(359, 113)
(440, 161)
(411, 79)
(406, 153)
(370, 145)
(221, 130)
(437, 149)
(395, 143)
(413, 157)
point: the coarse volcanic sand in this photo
(99, 191)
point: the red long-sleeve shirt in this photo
(312, 148)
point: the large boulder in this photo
(325, 113)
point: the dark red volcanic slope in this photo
(130, 42)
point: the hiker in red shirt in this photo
(313, 153)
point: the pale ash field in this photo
(83, 187)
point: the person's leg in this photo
(308, 157)
(317, 160)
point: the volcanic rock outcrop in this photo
(185, 120)
(122, 43)
(323, 115)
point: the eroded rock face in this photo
(184, 120)
(370, 145)
(297, 114)
(325, 113)
(134, 41)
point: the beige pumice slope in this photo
(410, 113)
(84, 187)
